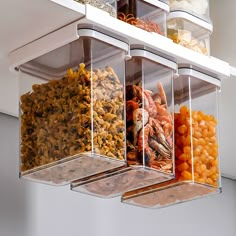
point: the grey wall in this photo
(15, 196)
(223, 47)
(30, 209)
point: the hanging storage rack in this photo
(88, 15)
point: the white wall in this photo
(15, 196)
(223, 46)
(30, 209)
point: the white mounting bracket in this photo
(233, 70)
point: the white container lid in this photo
(163, 4)
(93, 33)
(138, 51)
(194, 19)
(195, 72)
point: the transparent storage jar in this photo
(149, 127)
(199, 8)
(189, 31)
(72, 110)
(197, 170)
(109, 6)
(149, 15)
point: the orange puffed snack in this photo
(196, 157)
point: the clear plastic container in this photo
(72, 110)
(189, 31)
(199, 8)
(109, 6)
(197, 167)
(149, 15)
(149, 127)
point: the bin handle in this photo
(232, 70)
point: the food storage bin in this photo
(197, 170)
(189, 31)
(149, 15)
(199, 8)
(149, 127)
(72, 109)
(109, 6)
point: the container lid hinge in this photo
(128, 55)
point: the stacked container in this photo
(109, 6)
(199, 8)
(189, 25)
(196, 144)
(149, 127)
(149, 15)
(72, 110)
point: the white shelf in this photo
(119, 29)
(155, 41)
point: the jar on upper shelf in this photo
(189, 31)
(109, 6)
(149, 15)
(199, 8)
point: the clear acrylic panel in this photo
(149, 110)
(72, 112)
